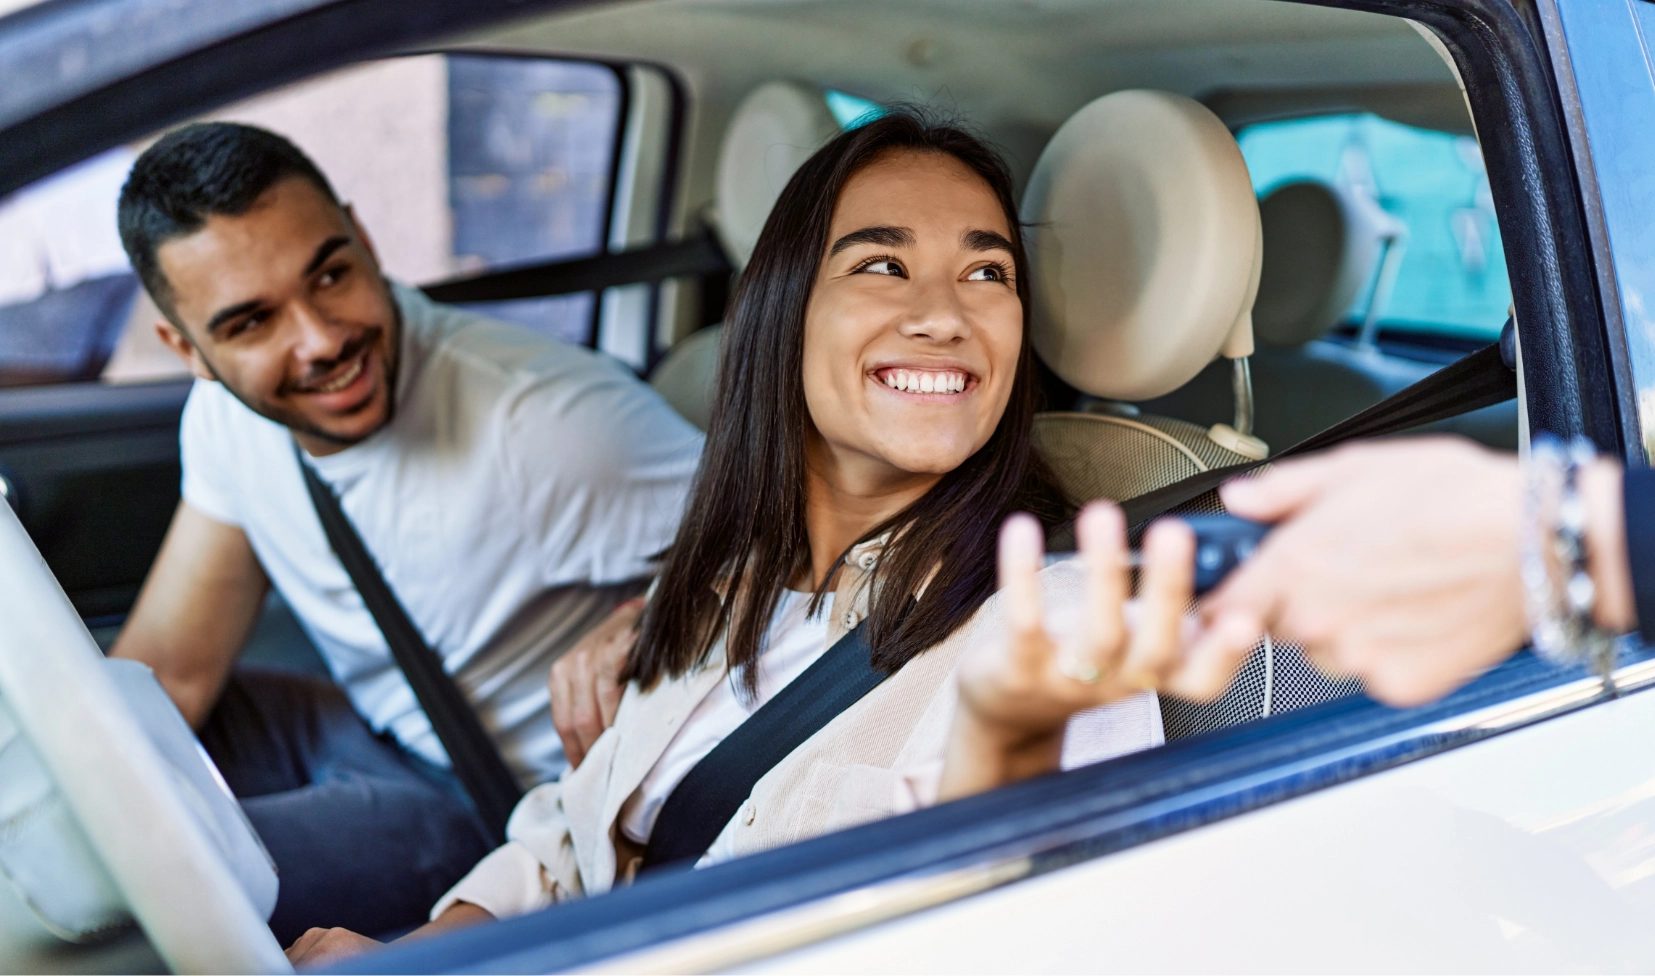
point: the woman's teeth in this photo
(925, 381)
(344, 379)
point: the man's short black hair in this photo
(199, 171)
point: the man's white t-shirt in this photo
(518, 494)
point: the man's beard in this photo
(302, 425)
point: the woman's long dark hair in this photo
(746, 516)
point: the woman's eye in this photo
(884, 266)
(991, 272)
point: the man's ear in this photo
(361, 233)
(174, 338)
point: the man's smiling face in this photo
(286, 306)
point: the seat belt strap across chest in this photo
(475, 758)
(698, 809)
(1482, 379)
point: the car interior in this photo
(1188, 317)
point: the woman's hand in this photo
(585, 682)
(1017, 694)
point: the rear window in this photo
(456, 164)
(1452, 279)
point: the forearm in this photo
(192, 678)
(195, 611)
(457, 916)
(1608, 556)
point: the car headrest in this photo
(773, 131)
(1321, 247)
(1144, 245)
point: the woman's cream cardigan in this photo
(880, 757)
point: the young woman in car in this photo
(871, 432)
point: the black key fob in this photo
(1222, 542)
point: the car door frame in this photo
(1577, 380)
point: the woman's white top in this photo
(794, 641)
(882, 758)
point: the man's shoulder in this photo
(213, 412)
(472, 347)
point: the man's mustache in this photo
(318, 370)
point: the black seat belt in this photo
(476, 759)
(707, 799)
(696, 255)
(1482, 379)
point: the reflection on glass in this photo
(1452, 275)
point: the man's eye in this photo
(244, 324)
(884, 266)
(330, 276)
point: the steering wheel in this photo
(153, 830)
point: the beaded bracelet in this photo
(1554, 549)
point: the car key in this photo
(1222, 542)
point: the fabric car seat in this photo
(1322, 250)
(1145, 249)
(777, 126)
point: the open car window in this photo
(457, 164)
(1451, 277)
(510, 197)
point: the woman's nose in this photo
(936, 313)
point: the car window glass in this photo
(850, 110)
(456, 164)
(1452, 275)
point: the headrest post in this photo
(1395, 244)
(1241, 382)
(1239, 344)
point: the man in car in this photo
(511, 489)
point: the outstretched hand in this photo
(1398, 561)
(1017, 693)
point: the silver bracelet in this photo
(1560, 594)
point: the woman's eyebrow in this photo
(883, 236)
(985, 240)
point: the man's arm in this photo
(1400, 561)
(197, 607)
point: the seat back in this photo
(1146, 251)
(1117, 456)
(685, 375)
(777, 126)
(1322, 251)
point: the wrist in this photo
(1606, 557)
(982, 755)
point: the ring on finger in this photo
(1070, 666)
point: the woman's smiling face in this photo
(914, 327)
